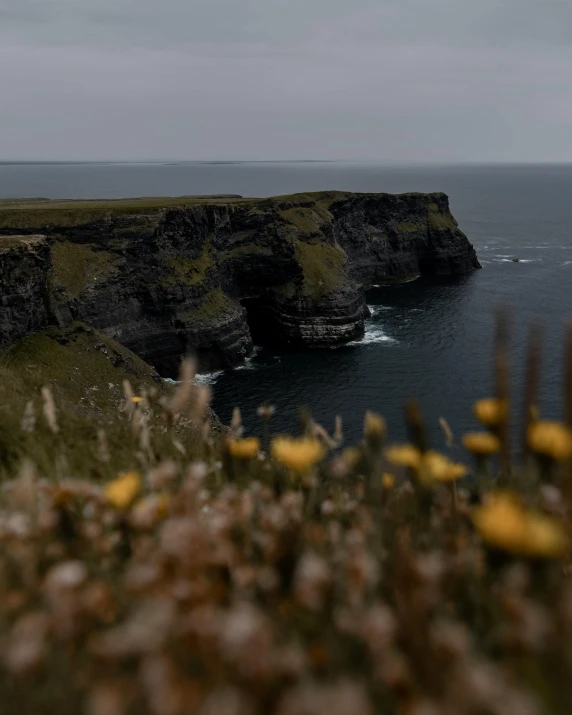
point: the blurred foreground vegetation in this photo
(153, 563)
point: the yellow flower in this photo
(388, 481)
(482, 443)
(123, 490)
(551, 439)
(297, 454)
(505, 524)
(373, 426)
(136, 400)
(429, 467)
(404, 455)
(545, 537)
(435, 467)
(244, 448)
(501, 522)
(491, 412)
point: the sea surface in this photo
(432, 338)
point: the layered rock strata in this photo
(164, 277)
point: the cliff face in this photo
(166, 276)
(24, 286)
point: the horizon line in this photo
(175, 162)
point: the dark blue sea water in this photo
(429, 338)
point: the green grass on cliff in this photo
(441, 221)
(43, 214)
(246, 250)
(77, 265)
(215, 303)
(325, 197)
(323, 266)
(79, 363)
(179, 270)
(85, 372)
(308, 220)
(66, 214)
(407, 227)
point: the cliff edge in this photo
(166, 276)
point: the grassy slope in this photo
(85, 371)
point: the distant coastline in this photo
(180, 162)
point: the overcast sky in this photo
(414, 80)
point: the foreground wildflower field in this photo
(212, 572)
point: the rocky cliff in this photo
(164, 276)
(24, 286)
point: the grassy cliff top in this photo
(26, 214)
(21, 215)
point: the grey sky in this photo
(415, 80)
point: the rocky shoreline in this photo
(213, 275)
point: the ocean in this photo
(432, 338)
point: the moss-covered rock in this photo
(324, 268)
(407, 227)
(212, 305)
(239, 252)
(179, 270)
(78, 265)
(440, 220)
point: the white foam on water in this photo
(376, 309)
(375, 334)
(208, 378)
(520, 260)
(249, 363)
